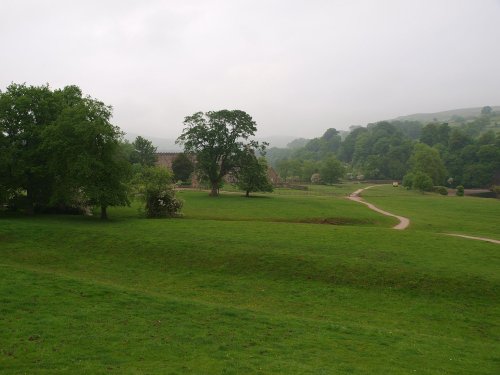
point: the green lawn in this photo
(438, 213)
(241, 286)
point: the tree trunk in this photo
(247, 194)
(30, 208)
(215, 190)
(104, 212)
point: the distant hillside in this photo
(446, 116)
(168, 144)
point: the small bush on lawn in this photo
(441, 190)
(460, 191)
(159, 194)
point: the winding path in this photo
(404, 222)
(473, 238)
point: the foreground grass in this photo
(246, 295)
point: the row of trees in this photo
(60, 152)
(390, 150)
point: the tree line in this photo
(59, 152)
(467, 155)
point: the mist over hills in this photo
(449, 115)
(289, 141)
(169, 145)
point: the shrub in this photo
(460, 191)
(422, 182)
(158, 193)
(408, 180)
(441, 190)
(162, 203)
(316, 178)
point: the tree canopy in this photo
(218, 139)
(59, 147)
(252, 174)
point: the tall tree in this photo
(86, 157)
(25, 111)
(331, 170)
(427, 160)
(144, 152)
(218, 139)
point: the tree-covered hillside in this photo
(467, 151)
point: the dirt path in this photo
(404, 222)
(473, 238)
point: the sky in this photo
(297, 67)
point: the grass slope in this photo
(437, 213)
(251, 293)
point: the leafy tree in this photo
(218, 141)
(486, 110)
(422, 182)
(408, 180)
(143, 152)
(433, 134)
(25, 111)
(182, 166)
(331, 170)
(252, 174)
(85, 156)
(427, 160)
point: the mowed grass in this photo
(244, 292)
(280, 208)
(438, 213)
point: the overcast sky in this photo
(297, 67)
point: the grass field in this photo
(242, 286)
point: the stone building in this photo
(165, 159)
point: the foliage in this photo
(408, 180)
(427, 160)
(316, 178)
(252, 174)
(441, 190)
(331, 170)
(158, 193)
(60, 149)
(422, 182)
(218, 140)
(144, 152)
(460, 191)
(182, 167)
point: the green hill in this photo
(454, 115)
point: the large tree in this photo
(58, 148)
(427, 160)
(218, 139)
(86, 157)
